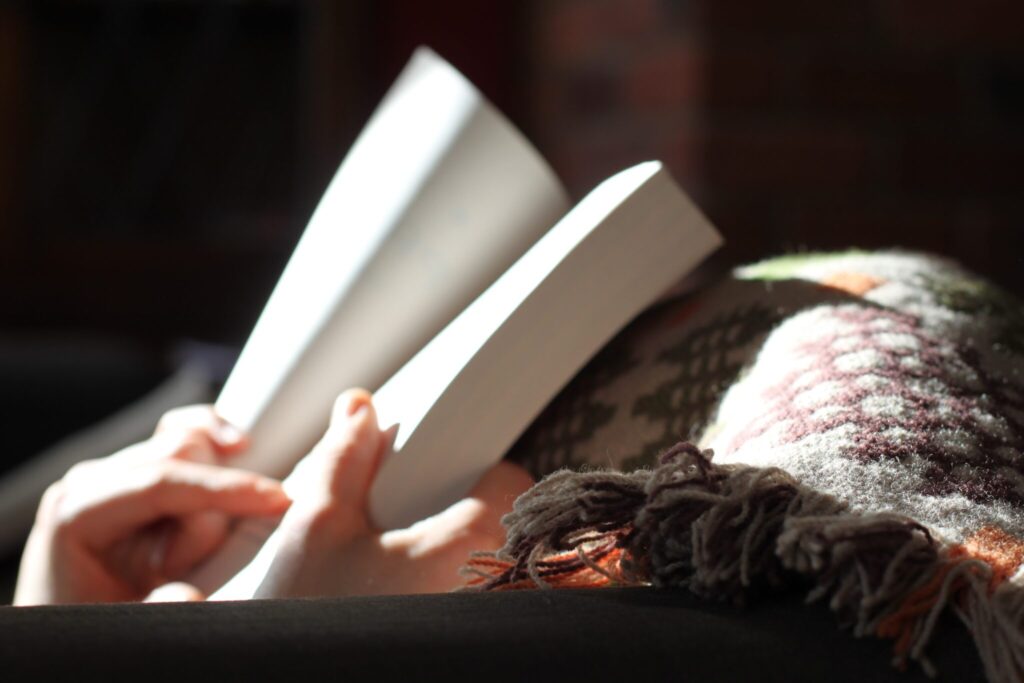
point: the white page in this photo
(435, 199)
(462, 401)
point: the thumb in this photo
(357, 442)
(339, 470)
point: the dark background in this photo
(158, 159)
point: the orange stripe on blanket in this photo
(1002, 551)
(850, 282)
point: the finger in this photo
(138, 559)
(175, 592)
(204, 420)
(168, 548)
(473, 523)
(128, 500)
(194, 446)
(339, 470)
(354, 442)
(195, 539)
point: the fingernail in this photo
(272, 490)
(279, 502)
(357, 405)
(228, 433)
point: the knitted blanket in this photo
(859, 426)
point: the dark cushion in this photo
(633, 634)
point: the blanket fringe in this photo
(730, 531)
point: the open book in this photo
(444, 270)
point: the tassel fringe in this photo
(731, 531)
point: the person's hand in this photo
(327, 545)
(127, 526)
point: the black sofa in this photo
(634, 634)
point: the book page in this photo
(436, 198)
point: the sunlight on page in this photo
(462, 401)
(405, 399)
(369, 192)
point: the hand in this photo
(327, 544)
(125, 527)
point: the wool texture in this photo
(853, 422)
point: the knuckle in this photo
(52, 498)
(57, 510)
(186, 418)
(169, 419)
(157, 480)
(188, 444)
(76, 470)
(80, 470)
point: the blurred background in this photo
(159, 159)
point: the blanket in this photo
(850, 422)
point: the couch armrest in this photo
(613, 634)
